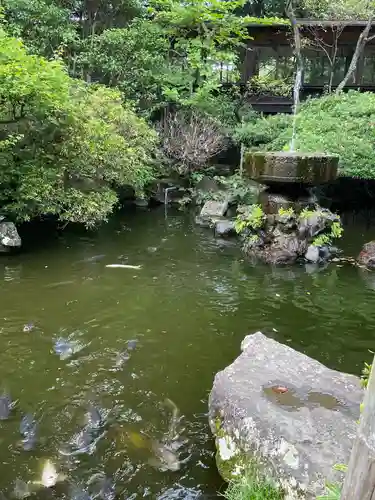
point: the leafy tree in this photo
(43, 25)
(49, 25)
(203, 35)
(94, 16)
(64, 146)
(339, 10)
(134, 59)
(262, 8)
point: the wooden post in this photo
(359, 481)
(242, 150)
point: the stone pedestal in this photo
(291, 168)
(293, 220)
(272, 201)
(288, 177)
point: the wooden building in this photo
(327, 48)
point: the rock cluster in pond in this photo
(279, 410)
(285, 237)
(287, 224)
(9, 238)
(367, 256)
(212, 215)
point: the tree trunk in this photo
(360, 478)
(249, 64)
(361, 43)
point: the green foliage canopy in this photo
(47, 25)
(64, 146)
(133, 59)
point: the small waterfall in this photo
(298, 80)
(166, 199)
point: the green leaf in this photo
(333, 492)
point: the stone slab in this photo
(214, 209)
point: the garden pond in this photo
(186, 310)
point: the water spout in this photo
(296, 100)
(298, 79)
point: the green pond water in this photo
(189, 307)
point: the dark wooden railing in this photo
(272, 104)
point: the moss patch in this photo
(229, 461)
(246, 481)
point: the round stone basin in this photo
(286, 167)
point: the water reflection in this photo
(12, 273)
(368, 277)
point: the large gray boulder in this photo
(9, 237)
(285, 412)
(214, 208)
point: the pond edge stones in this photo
(9, 237)
(295, 445)
(211, 212)
(367, 255)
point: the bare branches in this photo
(330, 50)
(191, 140)
(361, 43)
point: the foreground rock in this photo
(367, 255)
(287, 413)
(9, 237)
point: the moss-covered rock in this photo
(286, 236)
(285, 414)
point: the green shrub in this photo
(133, 59)
(263, 133)
(65, 146)
(251, 486)
(250, 217)
(343, 125)
(340, 124)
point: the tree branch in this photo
(361, 43)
